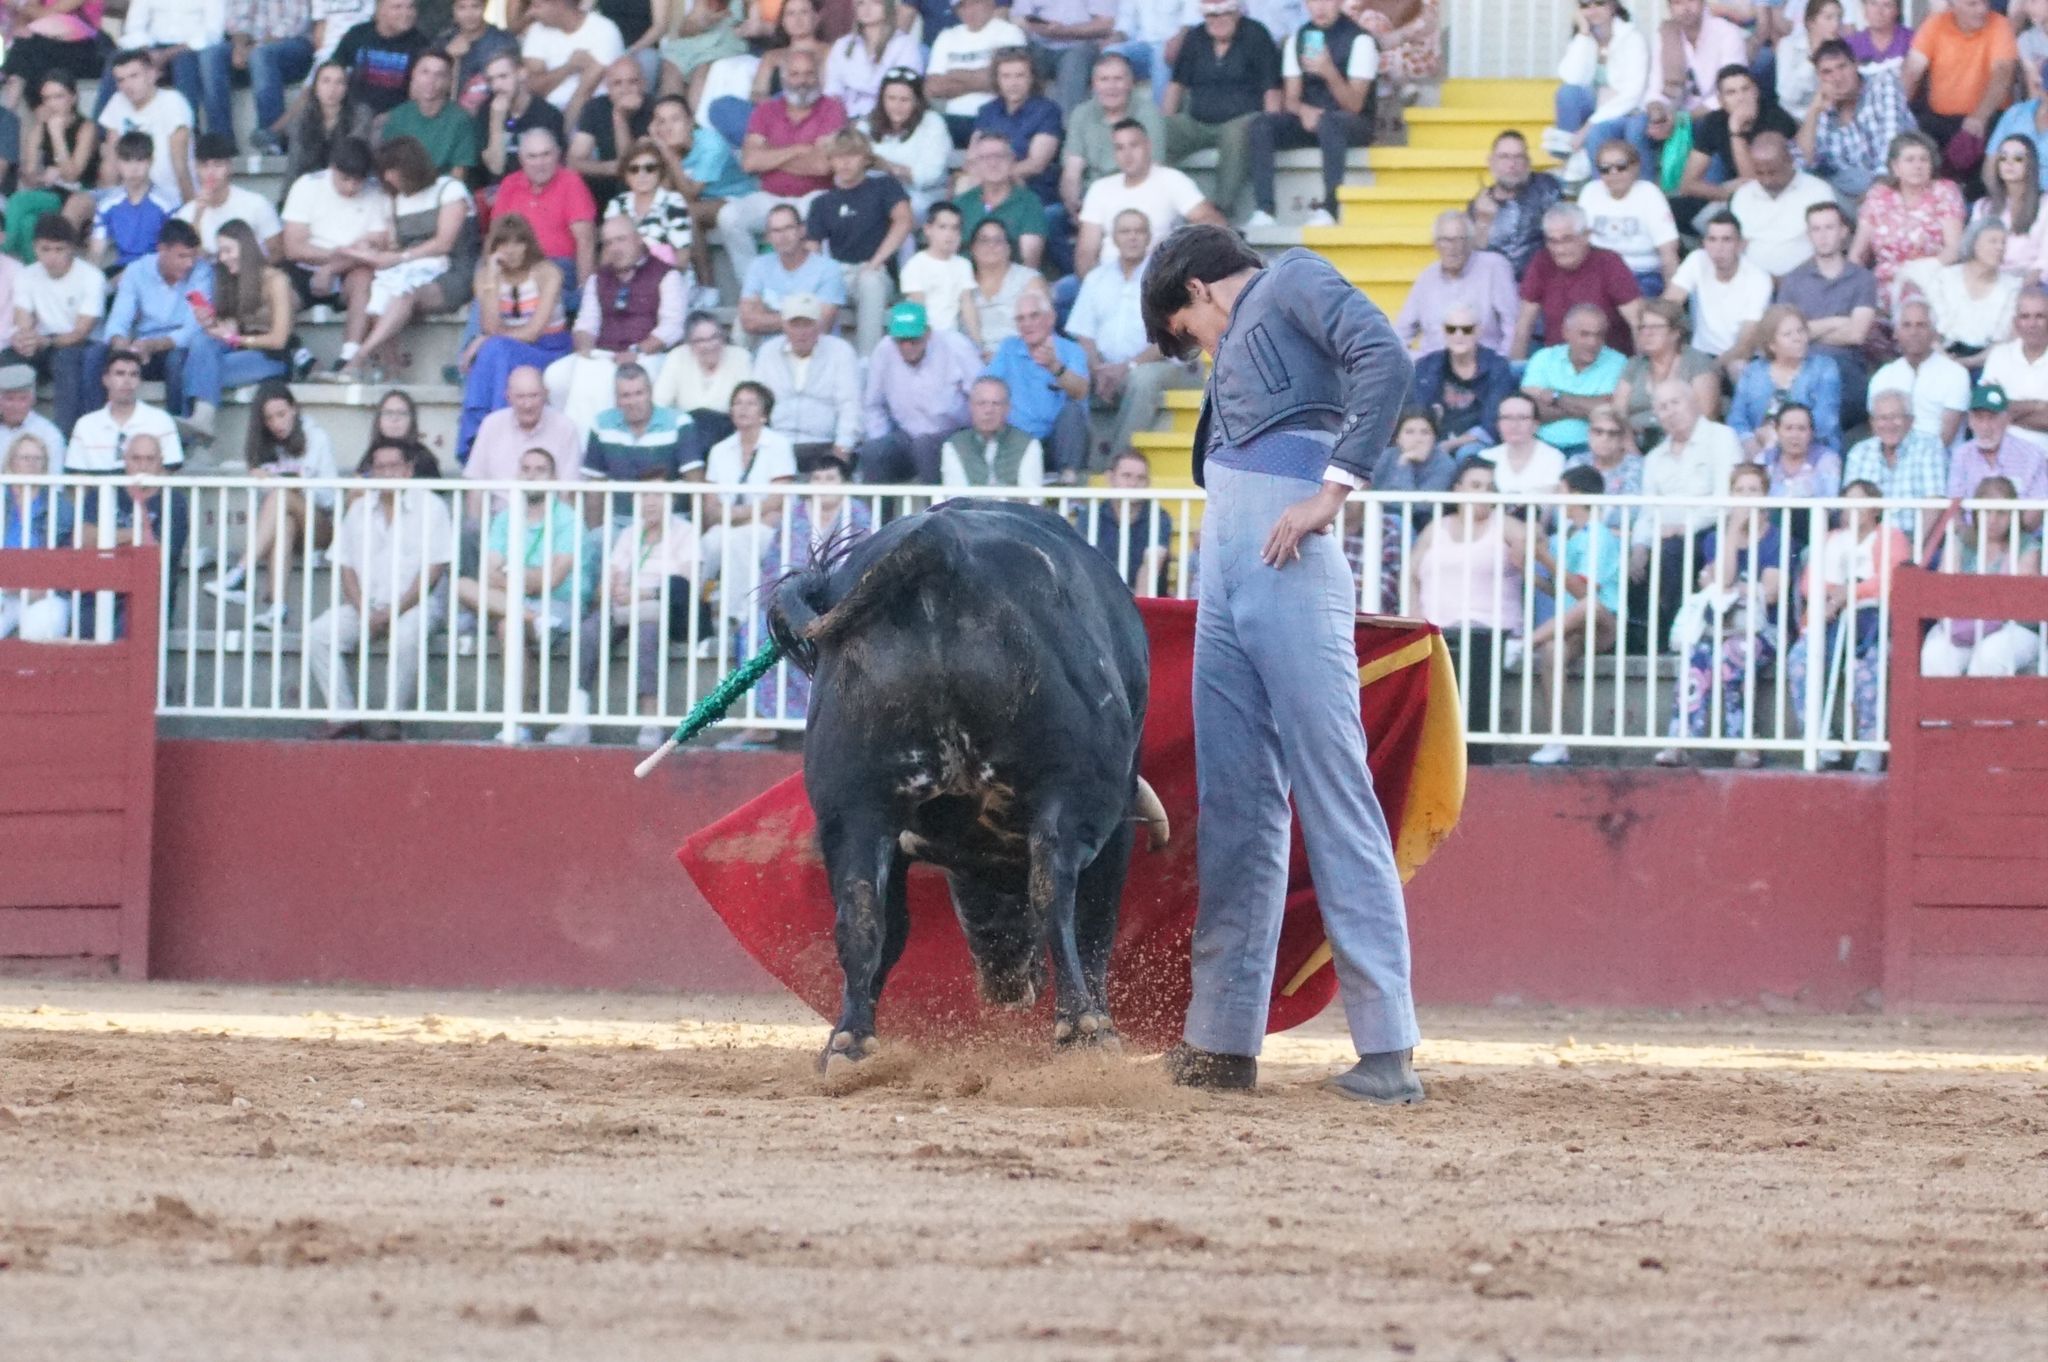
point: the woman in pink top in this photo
(2012, 194)
(1911, 218)
(523, 320)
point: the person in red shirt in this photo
(786, 147)
(1571, 270)
(555, 203)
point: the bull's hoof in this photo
(1091, 1029)
(1018, 992)
(845, 1050)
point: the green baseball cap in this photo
(907, 321)
(1988, 397)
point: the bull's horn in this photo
(1153, 814)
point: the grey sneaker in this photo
(1190, 1067)
(1386, 1079)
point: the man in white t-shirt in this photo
(331, 218)
(2020, 366)
(1771, 206)
(1727, 292)
(220, 200)
(139, 106)
(100, 437)
(1636, 224)
(959, 76)
(567, 50)
(1327, 69)
(1167, 197)
(1937, 385)
(58, 302)
(1126, 372)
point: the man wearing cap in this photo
(1993, 451)
(816, 382)
(19, 417)
(916, 396)
(221, 201)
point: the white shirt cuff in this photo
(1351, 480)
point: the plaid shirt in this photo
(1920, 474)
(268, 21)
(1861, 139)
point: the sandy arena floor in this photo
(222, 1174)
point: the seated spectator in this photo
(151, 317)
(1465, 577)
(220, 200)
(1480, 281)
(283, 445)
(1972, 300)
(996, 195)
(859, 224)
(701, 34)
(939, 277)
(1567, 380)
(1165, 197)
(698, 380)
(1785, 370)
(1904, 464)
(97, 439)
(67, 46)
(1417, 461)
(910, 140)
(58, 302)
(790, 270)
(637, 441)
(1695, 459)
(471, 41)
(1145, 33)
(1724, 141)
(1587, 559)
(1135, 534)
(991, 452)
(526, 421)
(1089, 152)
(128, 218)
(60, 163)
(1607, 453)
(519, 294)
(1508, 214)
(1328, 70)
(431, 116)
(1048, 380)
(1883, 42)
(1687, 53)
(513, 111)
(1799, 466)
(33, 516)
(796, 29)
(959, 77)
(1727, 293)
(1572, 271)
(1521, 462)
(379, 55)
(1461, 386)
(430, 263)
(392, 549)
(1992, 451)
(162, 115)
(1850, 575)
(815, 379)
(999, 282)
(752, 456)
(1838, 298)
(272, 43)
(244, 337)
(654, 202)
(1630, 217)
(336, 225)
(555, 203)
(19, 417)
(641, 27)
(1066, 37)
(2026, 120)
(1772, 204)
(785, 146)
(1854, 116)
(631, 312)
(1797, 82)
(1127, 373)
(1226, 74)
(857, 62)
(2020, 367)
(2012, 194)
(644, 599)
(1604, 77)
(566, 50)
(1728, 628)
(916, 396)
(1958, 76)
(324, 118)
(1994, 546)
(1937, 387)
(1664, 350)
(608, 125)
(141, 513)
(1032, 125)
(1911, 217)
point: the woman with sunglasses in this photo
(701, 166)
(1605, 73)
(657, 207)
(1461, 386)
(877, 47)
(1631, 217)
(910, 138)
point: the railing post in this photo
(1820, 659)
(1372, 555)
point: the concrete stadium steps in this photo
(1457, 171)
(1370, 246)
(1297, 179)
(424, 348)
(1458, 128)
(1405, 210)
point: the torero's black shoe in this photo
(1190, 1067)
(1386, 1079)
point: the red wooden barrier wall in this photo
(78, 774)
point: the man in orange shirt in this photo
(1958, 76)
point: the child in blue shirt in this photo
(131, 216)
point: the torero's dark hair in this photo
(1196, 251)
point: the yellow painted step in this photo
(1395, 211)
(1373, 245)
(1453, 129)
(1183, 407)
(1530, 97)
(1172, 455)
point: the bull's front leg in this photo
(871, 923)
(1056, 851)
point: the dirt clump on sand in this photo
(279, 1175)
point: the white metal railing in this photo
(643, 645)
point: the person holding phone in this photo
(1327, 74)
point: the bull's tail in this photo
(799, 618)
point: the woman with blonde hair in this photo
(523, 320)
(33, 516)
(861, 222)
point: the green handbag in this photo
(1677, 147)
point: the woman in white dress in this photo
(431, 265)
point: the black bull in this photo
(981, 681)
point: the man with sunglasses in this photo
(1308, 381)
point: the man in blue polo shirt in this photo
(637, 441)
(1048, 380)
(1567, 381)
(788, 269)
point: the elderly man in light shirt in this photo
(613, 327)
(916, 396)
(1125, 370)
(1461, 277)
(1694, 460)
(526, 421)
(1936, 385)
(2020, 367)
(1772, 206)
(816, 382)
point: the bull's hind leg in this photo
(871, 923)
(1079, 1017)
(1098, 898)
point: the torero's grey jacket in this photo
(1306, 350)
